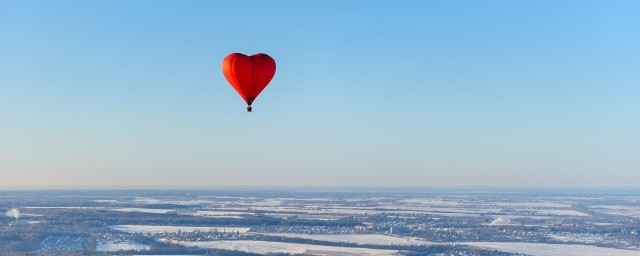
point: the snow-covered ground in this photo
(221, 214)
(433, 209)
(533, 204)
(264, 247)
(173, 229)
(149, 200)
(370, 239)
(560, 212)
(516, 217)
(121, 246)
(432, 201)
(588, 238)
(538, 249)
(629, 211)
(383, 209)
(145, 210)
(30, 215)
(62, 207)
(328, 210)
(105, 201)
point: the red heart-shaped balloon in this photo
(249, 75)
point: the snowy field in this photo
(173, 229)
(386, 209)
(432, 201)
(264, 247)
(145, 210)
(538, 249)
(587, 238)
(370, 239)
(63, 207)
(148, 200)
(125, 246)
(629, 211)
(221, 214)
(533, 204)
(561, 213)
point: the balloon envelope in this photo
(248, 75)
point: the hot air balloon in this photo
(249, 75)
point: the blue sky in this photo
(367, 93)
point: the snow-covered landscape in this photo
(121, 246)
(344, 224)
(362, 239)
(537, 249)
(170, 229)
(280, 247)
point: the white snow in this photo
(105, 201)
(319, 217)
(121, 246)
(63, 207)
(264, 247)
(586, 238)
(149, 200)
(561, 212)
(31, 215)
(444, 211)
(370, 239)
(629, 211)
(221, 213)
(432, 201)
(173, 229)
(145, 210)
(533, 204)
(539, 249)
(383, 209)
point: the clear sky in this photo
(98, 94)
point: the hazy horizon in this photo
(408, 94)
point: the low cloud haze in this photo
(13, 213)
